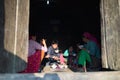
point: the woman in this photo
(34, 55)
(91, 37)
(94, 51)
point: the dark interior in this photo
(64, 20)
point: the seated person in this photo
(83, 58)
(53, 53)
(34, 55)
(62, 59)
(94, 52)
(69, 56)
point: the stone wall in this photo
(110, 31)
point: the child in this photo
(69, 55)
(83, 58)
(60, 62)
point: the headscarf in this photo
(91, 37)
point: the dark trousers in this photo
(45, 60)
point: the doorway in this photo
(64, 20)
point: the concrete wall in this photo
(110, 31)
(63, 76)
(14, 33)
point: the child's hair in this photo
(54, 42)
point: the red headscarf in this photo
(91, 37)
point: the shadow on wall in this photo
(9, 63)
